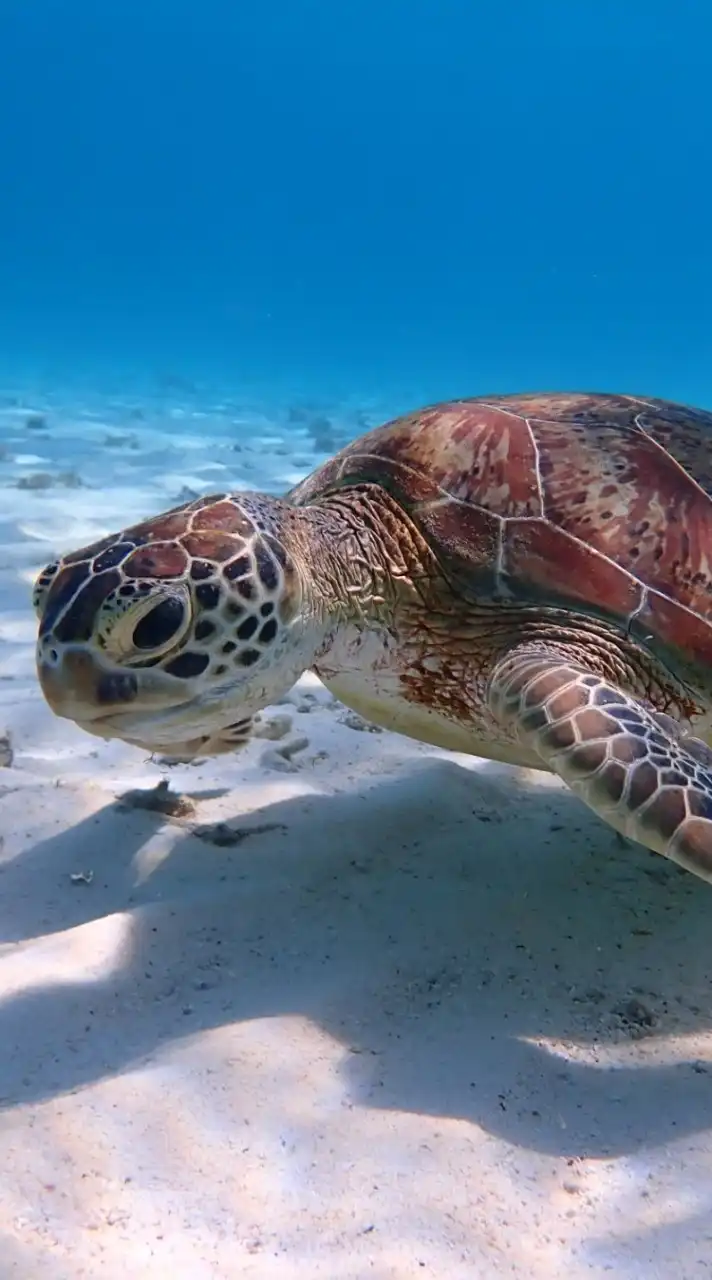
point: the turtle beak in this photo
(75, 686)
(79, 687)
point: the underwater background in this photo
(339, 1003)
(416, 198)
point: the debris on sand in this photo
(7, 754)
(159, 799)
(36, 422)
(40, 480)
(226, 837)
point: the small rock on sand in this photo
(273, 728)
(354, 721)
(280, 758)
(38, 481)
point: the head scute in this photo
(198, 600)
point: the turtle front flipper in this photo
(634, 767)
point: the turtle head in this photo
(173, 633)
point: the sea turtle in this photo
(526, 578)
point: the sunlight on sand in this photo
(362, 1008)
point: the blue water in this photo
(424, 197)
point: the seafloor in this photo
(338, 1006)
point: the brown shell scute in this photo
(460, 451)
(623, 494)
(596, 502)
(157, 560)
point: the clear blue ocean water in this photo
(422, 1022)
(421, 198)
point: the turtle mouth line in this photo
(135, 724)
(87, 715)
(178, 733)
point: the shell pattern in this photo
(596, 503)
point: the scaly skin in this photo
(635, 767)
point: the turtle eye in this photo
(160, 626)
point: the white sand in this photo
(422, 1016)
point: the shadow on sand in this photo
(434, 927)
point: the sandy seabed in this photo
(340, 1005)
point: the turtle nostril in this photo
(47, 654)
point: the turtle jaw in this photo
(178, 734)
(80, 686)
(143, 707)
(180, 737)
